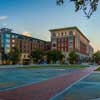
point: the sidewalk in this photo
(19, 65)
(46, 89)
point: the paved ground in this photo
(11, 78)
(46, 89)
(87, 89)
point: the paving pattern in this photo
(86, 89)
(44, 90)
(13, 78)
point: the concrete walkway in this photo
(46, 89)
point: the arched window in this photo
(70, 33)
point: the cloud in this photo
(3, 17)
(26, 34)
(5, 24)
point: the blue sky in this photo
(38, 16)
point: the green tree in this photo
(54, 55)
(37, 54)
(97, 56)
(14, 55)
(87, 6)
(72, 57)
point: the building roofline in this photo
(91, 45)
(30, 37)
(11, 32)
(73, 27)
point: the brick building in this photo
(26, 45)
(63, 39)
(70, 39)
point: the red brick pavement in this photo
(45, 89)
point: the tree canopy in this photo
(87, 6)
(72, 57)
(37, 54)
(54, 55)
(97, 56)
(14, 55)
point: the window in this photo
(70, 37)
(3, 36)
(7, 45)
(62, 44)
(62, 34)
(16, 36)
(70, 33)
(35, 41)
(7, 49)
(65, 34)
(57, 34)
(58, 45)
(13, 36)
(77, 41)
(13, 41)
(58, 39)
(63, 40)
(13, 45)
(8, 36)
(2, 45)
(53, 34)
(62, 49)
(54, 45)
(70, 43)
(53, 39)
(7, 40)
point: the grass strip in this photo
(53, 66)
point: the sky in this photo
(39, 16)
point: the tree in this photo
(54, 55)
(5, 58)
(14, 55)
(72, 57)
(87, 6)
(97, 56)
(37, 54)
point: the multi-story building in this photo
(70, 39)
(63, 39)
(26, 45)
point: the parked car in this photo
(42, 62)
